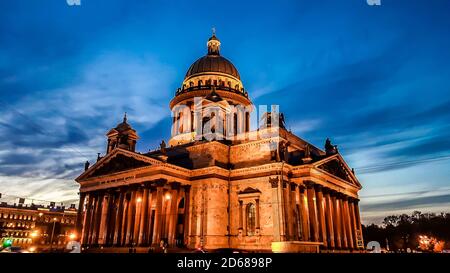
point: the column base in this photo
(296, 247)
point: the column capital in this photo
(186, 187)
(285, 184)
(309, 183)
(127, 195)
(120, 189)
(333, 193)
(293, 186)
(175, 185)
(110, 191)
(146, 184)
(343, 196)
(318, 187)
(301, 187)
(159, 182)
(273, 182)
(134, 187)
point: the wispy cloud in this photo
(301, 127)
(55, 131)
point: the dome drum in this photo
(219, 86)
(185, 96)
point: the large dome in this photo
(212, 63)
(212, 71)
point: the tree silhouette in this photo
(400, 232)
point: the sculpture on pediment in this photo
(329, 148)
(86, 165)
(162, 146)
(336, 168)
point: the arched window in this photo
(181, 204)
(251, 219)
(247, 121)
(213, 122)
(235, 123)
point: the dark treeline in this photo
(403, 231)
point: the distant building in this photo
(32, 225)
(218, 183)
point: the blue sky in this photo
(372, 78)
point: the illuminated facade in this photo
(218, 183)
(33, 226)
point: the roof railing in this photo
(241, 91)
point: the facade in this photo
(31, 227)
(219, 183)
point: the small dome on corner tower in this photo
(122, 136)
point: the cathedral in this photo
(219, 183)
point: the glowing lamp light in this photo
(32, 249)
(168, 196)
(7, 243)
(34, 234)
(72, 236)
(40, 214)
(139, 200)
(54, 219)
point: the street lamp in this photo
(53, 232)
(72, 236)
(34, 234)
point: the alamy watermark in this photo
(373, 2)
(73, 2)
(206, 120)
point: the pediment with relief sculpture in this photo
(336, 166)
(118, 161)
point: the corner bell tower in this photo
(122, 136)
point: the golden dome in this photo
(212, 70)
(212, 63)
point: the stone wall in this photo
(209, 218)
(251, 154)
